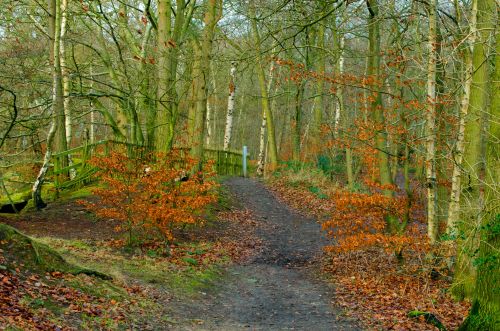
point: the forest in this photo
(249, 164)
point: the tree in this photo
(56, 138)
(430, 132)
(476, 275)
(271, 137)
(203, 50)
(230, 107)
(376, 104)
(171, 34)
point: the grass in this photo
(186, 275)
(100, 288)
(78, 193)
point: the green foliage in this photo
(190, 260)
(331, 165)
(317, 192)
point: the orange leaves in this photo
(359, 221)
(153, 194)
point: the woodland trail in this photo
(277, 290)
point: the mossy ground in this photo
(191, 267)
(68, 241)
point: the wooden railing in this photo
(225, 162)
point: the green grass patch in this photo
(185, 273)
(38, 303)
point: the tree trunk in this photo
(485, 311)
(454, 206)
(56, 135)
(297, 121)
(66, 84)
(55, 20)
(211, 110)
(349, 168)
(320, 87)
(167, 68)
(376, 106)
(273, 152)
(212, 16)
(230, 107)
(261, 160)
(430, 132)
(169, 37)
(472, 203)
(92, 130)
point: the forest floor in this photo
(279, 288)
(255, 267)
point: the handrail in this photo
(227, 162)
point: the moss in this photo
(16, 197)
(36, 256)
(38, 303)
(191, 281)
(182, 279)
(79, 193)
(100, 289)
(480, 318)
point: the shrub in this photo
(152, 195)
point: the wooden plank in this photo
(67, 168)
(77, 149)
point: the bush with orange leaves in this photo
(361, 221)
(152, 195)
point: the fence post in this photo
(245, 152)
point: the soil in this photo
(279, 289)
(64, 219)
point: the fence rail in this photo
(225, 162)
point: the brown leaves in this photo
(153, 195)
(372, 285)
(370, 282)
(36, 302)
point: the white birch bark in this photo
(338, 104)
(64, 69)
(262, 145)
(454, 206)
(56, 81)
(66, 88)
(209, 123)
(92, 110)
(230, 107)
(261, 161)
(211, 109)
(36, 191)
(430, 142)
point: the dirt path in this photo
(277, 290)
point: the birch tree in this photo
(261, 158)
(430, 132)
(230, 106)
(56, 137)
(454, 206)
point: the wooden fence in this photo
(225, 162)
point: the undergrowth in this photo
(381, 278)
